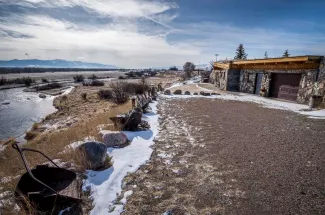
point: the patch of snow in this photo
(105, 185)
(67, 91)
(204, 89)
(126, 195)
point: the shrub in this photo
(121, 77)
(187, 93)
(195, 94)
(93, 77)
(78, 78)
(105, 94)
(120, 92)
(49, 86)
(44, 80)
(30, 135)
(27, 81)
(24, 80)
(97, 83)
(177, 92)
(84, 96)
(35, 126)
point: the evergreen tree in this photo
(240, 53)
(266, 56)
(286, 53)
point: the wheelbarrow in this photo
(46, 188)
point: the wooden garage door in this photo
(285, 86)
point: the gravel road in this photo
(226, 157)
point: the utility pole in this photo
(216, 57)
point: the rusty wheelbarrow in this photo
(46, 188)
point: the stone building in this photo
(290, 78)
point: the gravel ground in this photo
(225, 157)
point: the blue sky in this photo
(140, 33)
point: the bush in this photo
(84, 96)
(105, 94)
(177, 92)
(97, 83)
(187, 93)
(121, 77)
(93, 77)
(30, 135)
(137, 88)
(78, 78)
(49, 86)
(27, 81)
(44, 80)
(120, 92)
(24, 80)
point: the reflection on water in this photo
(23, 110)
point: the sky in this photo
(159, 33)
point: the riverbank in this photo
(80, 115)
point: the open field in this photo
(226, 157)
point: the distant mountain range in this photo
(58, 63)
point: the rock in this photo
(215, 94)
(187, 93)
(178, 92)
(42, 96)
(195, 94)
(115, 139)
(167, 92)
(134, 120)
(95, 154)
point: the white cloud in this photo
(137, 35)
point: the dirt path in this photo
(224, 157)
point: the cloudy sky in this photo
(142, 33)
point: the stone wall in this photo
(247, 81)
(306, 86)
(266, 83)
(219, 79)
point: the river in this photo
(23, 110)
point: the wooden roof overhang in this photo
(285, 63)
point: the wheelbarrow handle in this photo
(20, 151)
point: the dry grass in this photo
(30, 135)
(53, 143)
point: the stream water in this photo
(19, 110)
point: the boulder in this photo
(178, 92)
(134, 120)
(94, 153)
(215, 94)
(167, 92)
(115, 139)
(187, 93)
(42, 96)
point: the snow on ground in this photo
(106, 185)
(67, 91)
(264, 102)
(196, 79)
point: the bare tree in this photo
(188, 69)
